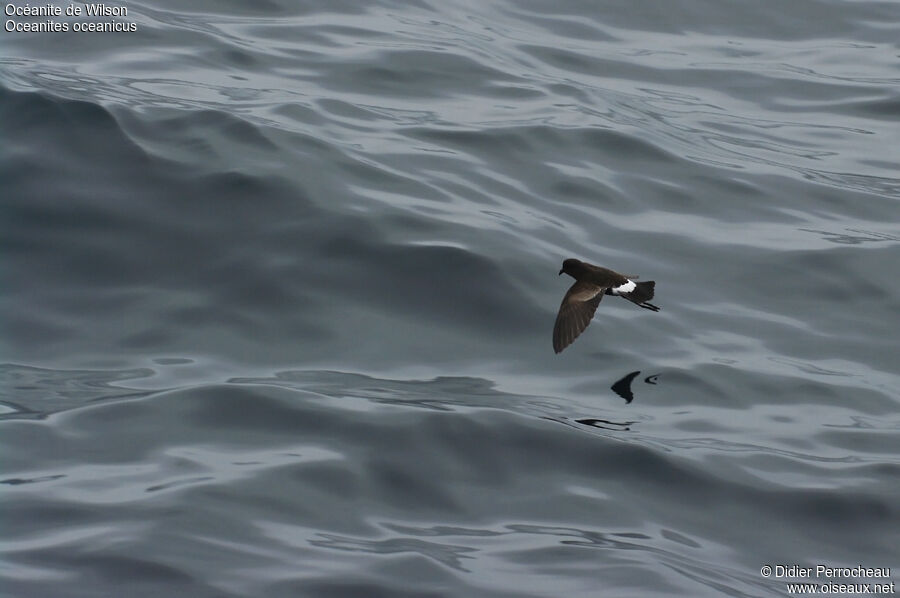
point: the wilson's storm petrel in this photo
(582, 299)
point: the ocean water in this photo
(279, 280)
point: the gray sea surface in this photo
(279, 279)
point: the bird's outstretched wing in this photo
(575, 313)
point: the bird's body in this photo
(583, 297)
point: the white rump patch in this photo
(624, 288)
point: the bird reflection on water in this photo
(606, 424)
(622, 387)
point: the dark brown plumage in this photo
(583, 297)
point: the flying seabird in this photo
(582, 299)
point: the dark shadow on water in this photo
(20, 481)
(622, 387)
(605, 424)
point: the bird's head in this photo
(569, 266)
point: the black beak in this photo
(560, 272)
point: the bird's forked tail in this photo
(642, 293)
